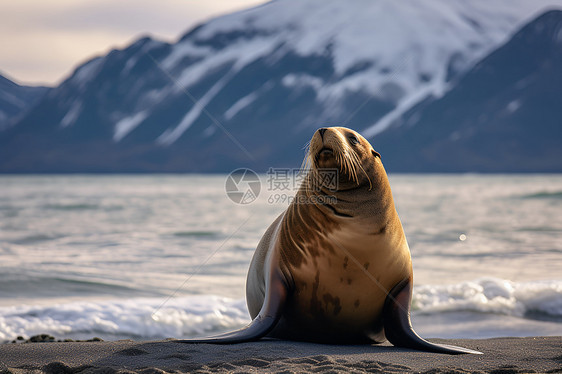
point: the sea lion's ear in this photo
(375, 153)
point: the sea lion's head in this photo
(345, 152)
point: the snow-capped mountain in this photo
(500, 117)
(249, 88)
(15, 100)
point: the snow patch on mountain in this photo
(182, 50)
(12, 99)
(127, 124)
(246, 101)
(171, 135)
(403, 106)
(300, 80)
(72, 115)
(147, 45)
(513, 106)
(240, 104)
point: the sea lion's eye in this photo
(353, 140)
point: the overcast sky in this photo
(42, 41)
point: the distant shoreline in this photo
(506, 355)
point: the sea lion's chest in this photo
(344, 283)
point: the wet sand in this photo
(501, 355)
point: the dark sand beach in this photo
(501, 355)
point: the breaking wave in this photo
(157, 318)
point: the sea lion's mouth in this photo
(324, 154)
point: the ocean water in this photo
(157, 256)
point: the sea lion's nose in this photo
(322, 130)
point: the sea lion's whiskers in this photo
(306, 159)
(358, 163)
(306, 169)
(350, 162)
(346, 167)
(305, 165)
(341, 161)
(353, 162)
(310, 175)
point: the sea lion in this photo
(335, 267)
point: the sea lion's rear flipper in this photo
(265, 321)
(398, 328)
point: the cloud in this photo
(42, 41)
(166, 16)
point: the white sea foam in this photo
(493, 295)
(153, 318)
(135, 318)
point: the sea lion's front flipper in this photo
(265, 321)
(398, 328)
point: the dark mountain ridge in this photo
(15, 100)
